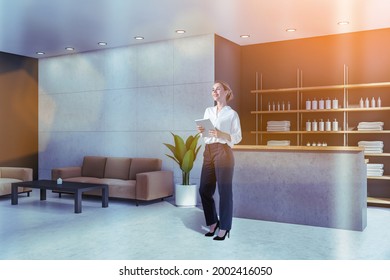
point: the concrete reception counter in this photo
(317, 186)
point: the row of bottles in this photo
(322, 104)
(279, 106)
(367, 104)
(322, 126)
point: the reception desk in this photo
(316, 186)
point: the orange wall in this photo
(19, 111)
(321, 59)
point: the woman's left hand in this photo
(214, 133)
(219, 134)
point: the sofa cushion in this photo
(93, 166)
(140, 165)
(5, 185)
(20, 173)
(117, 187)
(117, 168)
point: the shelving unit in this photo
(347, 116)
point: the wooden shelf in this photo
(324, 110)
(378, 201)
(318, 88)
(324, 132)
(384, 177)
(368, 131)
(297, 148)
(378, 155)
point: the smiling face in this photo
(219, 93)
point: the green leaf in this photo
(173, 158)
(171, 148)
(188, 161)
(194, 143)
(180, 148)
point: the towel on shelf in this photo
(375, 165)
(370, 126)
(278, 126)
(373, 150)
(375, 173)
(278, 143)
(372, 147)
(375, 169)
(371, 144)
(278, 123)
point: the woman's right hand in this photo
(200, 128)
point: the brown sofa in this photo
(9, 175)
(130, 178)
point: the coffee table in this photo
(73, 187)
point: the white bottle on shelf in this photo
(273, 106)
(328, 125)
(314, 104)
(321, 125)
(328, 104)
(288, 106)
(321, 104)
(308, 104)
(367, 103)
(278, 106)
(335, 104)
(373, 102)
(379, 102)
(335, 125)
(269, 105)
(361, 102)
(283, 106)
(308, 125)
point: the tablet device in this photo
(206, 123)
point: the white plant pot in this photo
(186, 195)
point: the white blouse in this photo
(227, 121)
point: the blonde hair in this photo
(227, 88)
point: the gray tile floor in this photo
(45, 230)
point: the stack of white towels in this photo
(278, 143)
(278, 126)
(372, 147)
(370, 126)
(374, 169)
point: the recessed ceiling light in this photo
(180, 31)
(69, 49)
(291, 30)
(40, 53)
(245, 36)
(343, 23)
(139, 38)
(102, 44)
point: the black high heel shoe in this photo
(211, 233)
(220, 238)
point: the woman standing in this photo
(218, 161)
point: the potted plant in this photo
(184, 154)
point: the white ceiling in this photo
(29, 26)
